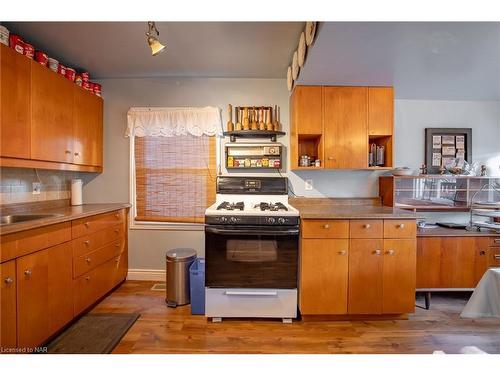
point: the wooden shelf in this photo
(307, 168)
(272, 134)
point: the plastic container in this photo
(178, 263)
(197, 286)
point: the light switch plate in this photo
(37, 188)
(309, 184)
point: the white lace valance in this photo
(169, 122)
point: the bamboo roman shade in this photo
(175, 162)
(175, 178)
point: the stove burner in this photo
(231, 206)
(272, 206)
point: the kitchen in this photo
(325, 205)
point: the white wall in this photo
(147, 247)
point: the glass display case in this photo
(438, 192)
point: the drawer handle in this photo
(330, 158)
(87, 278)
(377, 252)
(497, 256)
(117, 260)
(117, 230)
(482, 252)
(87, 224)
(117, 216)
(77, 154)
(88, 260)
(28, 272)
(342, 252)
(68, 151)
(390, 252)
(496, 240)
(366, 226)
(117, 245)
(401, 226)
(8, 280)
(326, 226)
(86, 242)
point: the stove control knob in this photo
(281, 221)
(223, 219)
(232, 220)
(271, 220)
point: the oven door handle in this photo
(287, 232)
(271, 293)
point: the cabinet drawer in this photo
(495, 241)
(87, 225)
(366, 228)
(18, 244)
(325, 229)
(94, 241)
(89, 261)
(494, 257)
(400, 228)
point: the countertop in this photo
(450, 232)
(364, 208)
(65, 213)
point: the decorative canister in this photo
(85, 76)
(42, 58)
(97, 89)
(78, 80)
(53, 64)
(70, 74)
(86, 85)
(91, 87)
(16, 43)
(29, 50)
(4, 35)
(61, 70)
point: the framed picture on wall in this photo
(443, 145)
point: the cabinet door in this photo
(307, 110)
(8, 323)
(399, 274)
(121, 268)
(365, 276)
(345, 127)
(380, 110)
(32, 299)
(481, 255)
(87, 128)
(15, 98)
(60, 284)
(323, 276)
(52, 116)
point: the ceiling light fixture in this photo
(154, 43)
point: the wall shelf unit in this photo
(271, 134)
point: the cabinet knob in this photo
(342, 252)
(87, 224)
(88, 260)
(87, 278)
(117, 230)
(117, 245)
(326, 226)
(86, 242)
(77, 154)
(496, 240)
(28, 272)
(482, 252)
(390, 252)
(8, 280)
(377, 252)
(366, 226)
(401, 226)
(117, 216)
(330, 158)
(496, 256)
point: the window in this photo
(174, 178)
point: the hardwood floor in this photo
(164, 330)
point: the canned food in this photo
(230, 161)
(61, 70)
(78, 80)
(86, 85)
(70, 74)
(97, 89)
(277, 163)
(265, 163)
(29, 50)
(53, 64)
(91, 87)
(16, 43)
(42, 58)
(85, 76)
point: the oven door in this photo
(251, 257)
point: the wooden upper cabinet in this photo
(87, 128)
(399, 276)
(15, 100)
(52, 116)
(307, 110)
(324, 276)
(380, 111)
(8, 321)
(345, 127)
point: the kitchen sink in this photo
(13, 219)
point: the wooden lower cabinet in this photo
(44, 293)
(451, 262)
(398, 276)
(8, 327)
(324, 290)
(365, 276)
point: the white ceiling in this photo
(449, 61)
(203, 49)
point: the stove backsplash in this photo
(16, 185)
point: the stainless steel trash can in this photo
(178, 263)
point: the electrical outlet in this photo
(309, 184)
(37, 188)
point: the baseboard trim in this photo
(142, 274)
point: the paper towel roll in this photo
(76, 192)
